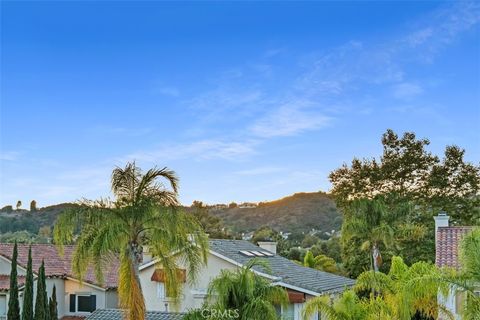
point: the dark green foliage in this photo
(408, 172)
(52, 303)
(27, 310)
(22, 237)
(26, 221)
(212, 225)
(13, 304)
(7, 209)
(41, 303)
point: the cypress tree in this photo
(41, 303)
(52, 303)
(13, 304)
(27, 311)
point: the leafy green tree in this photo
(27, 310)
(52, 305)
(212, 225)
(13, 304)
(41, 302)
(144, 213)
(7, 209)
(247, 294)
(406, 171)
(33, 205)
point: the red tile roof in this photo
(57, 265)
(5, 282)
(448, 240)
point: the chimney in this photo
(268, 245)
(440, 221)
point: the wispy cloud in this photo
(204, 149)
(289, 119)
(406, 90)
(9, 155)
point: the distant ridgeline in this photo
(300, 212)
(29, 226)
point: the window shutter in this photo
(93, 303)
(72, 303)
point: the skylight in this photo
(252, 253)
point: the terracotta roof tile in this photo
(448, 240)
(57, 265)
(5, 282)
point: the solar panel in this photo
(246, 253)
(257, 253)
(268, 254)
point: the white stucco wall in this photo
(192, 296)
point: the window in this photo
(83, 303)
(161, 290)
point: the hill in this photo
(31, 221)
(300, 212)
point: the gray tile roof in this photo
(117, 314)
(289, 272)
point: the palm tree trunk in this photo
(137, 302)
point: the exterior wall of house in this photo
(75, 288)
(6, 266)
(111, 299)
(192, 294)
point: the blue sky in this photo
(247, 101)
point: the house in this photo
(75, 299)
(300, 282)
(447, 240)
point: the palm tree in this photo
(407, 291)
(144, 213)
(402, 294)
(320, 262)
(347, 307)
(245, 294)
(378, 227)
